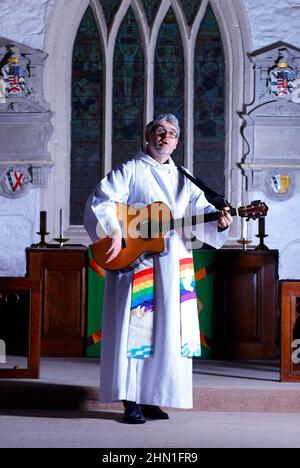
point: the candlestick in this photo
(244, 234)
(43, 231)
(61, 239)
(261, 226)
(261, 234)
(43, 221)
(60, 223)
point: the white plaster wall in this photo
(271, 22)
(19, 221)
(25, 21)
(283, 229)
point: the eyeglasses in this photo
(162, 132)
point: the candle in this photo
(43, 221)
(60, 223)
(244, 229)
(261, 227)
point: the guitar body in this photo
(144, 229)
(138, 242)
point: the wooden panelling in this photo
(246, 314)
(63, 284)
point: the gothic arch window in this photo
(169, 75)
(151, 7)
(209, 104)
(110, 8)
(190, 8)
(197, 27)
(87, 86)
(128, 91)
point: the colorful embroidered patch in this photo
(187, 280)
(140, 353)
(187, 350)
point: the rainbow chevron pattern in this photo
(143, 290)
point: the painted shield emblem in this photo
(14, 79)
(281, 183)
(282, 80)
(14, 182)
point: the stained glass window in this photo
(209, 132)
(151, 7)
(86, 116)
(169, 76)
(110, 7)
(191, 8)
(128, 92)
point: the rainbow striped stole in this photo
(143, 290)
(140, 334)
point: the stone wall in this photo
(25, 21)
(19, 222)
(273, 21)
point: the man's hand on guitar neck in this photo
(225, 219)
(116, 244)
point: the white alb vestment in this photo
(165, 379)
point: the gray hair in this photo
(159, 119)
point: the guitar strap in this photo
(217, 200)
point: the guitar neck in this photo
(166, 226)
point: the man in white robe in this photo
(164, 378)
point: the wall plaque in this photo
(25, 120)
(271, 127)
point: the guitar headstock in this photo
(256, 209)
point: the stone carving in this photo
(25, 118)
(271, 122)
(277, 73)
(15, 181)
(14, 69)
(282, 77)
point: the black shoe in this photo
(153, 412)
(132, 413)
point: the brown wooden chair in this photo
(290, 331)
(12, 289)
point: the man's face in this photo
(162, 141)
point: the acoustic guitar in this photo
(143, 231)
